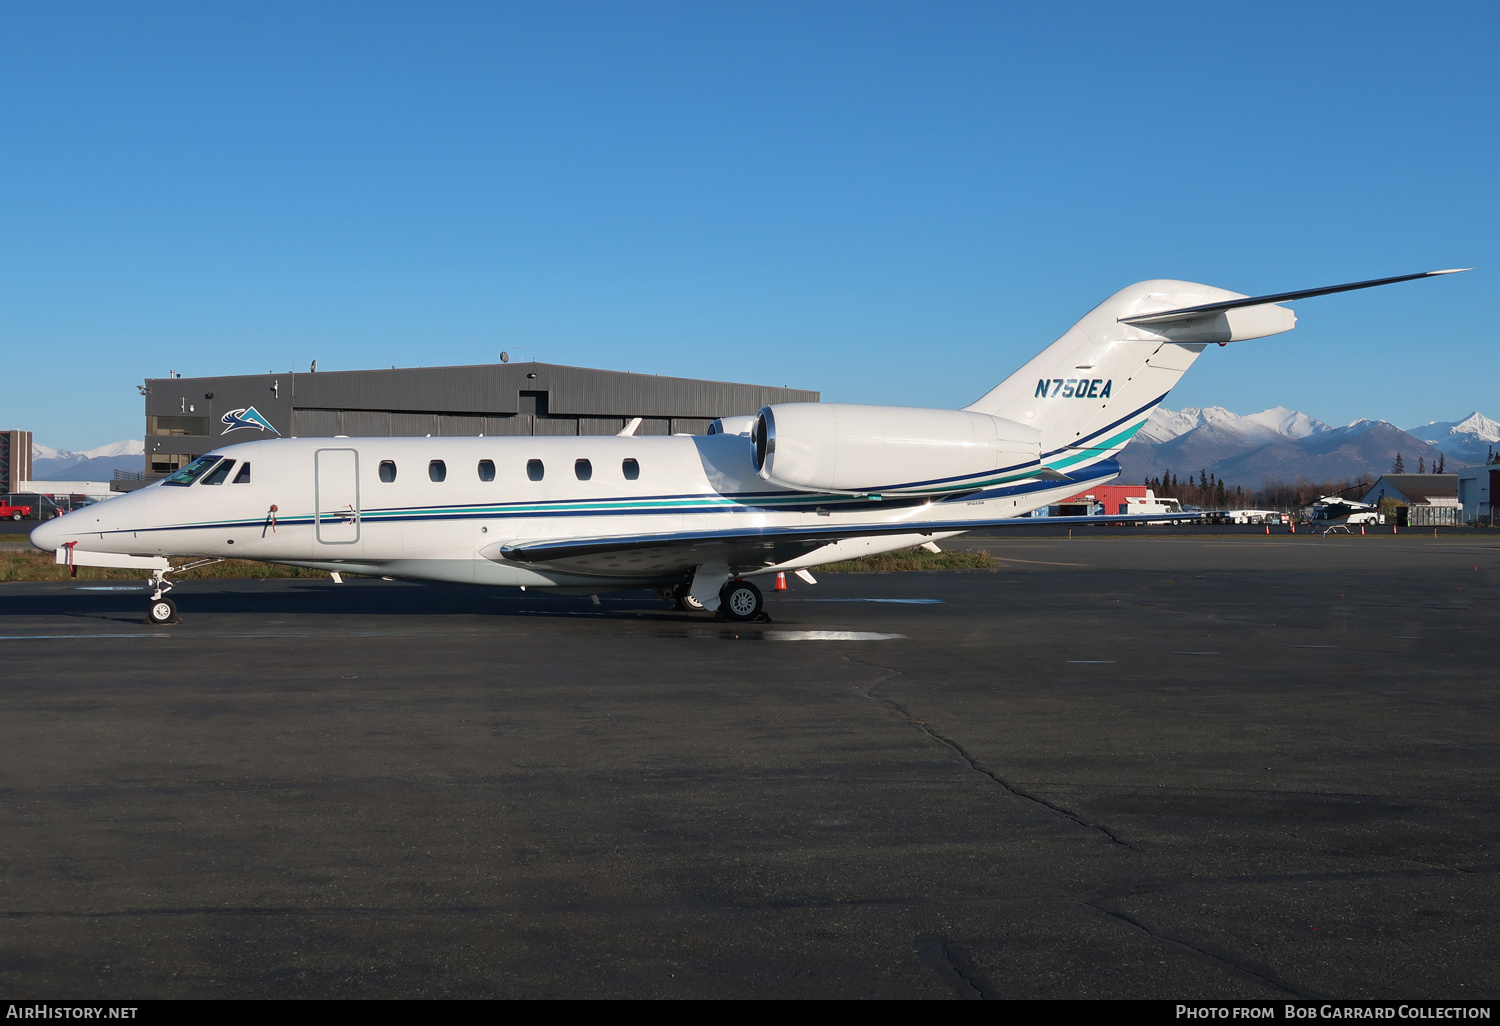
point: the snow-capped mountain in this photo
(48, 464)
(1288, 422)
(1165, 425)
(1465, 441)
(1275, 443)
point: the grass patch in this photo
(42, 566)
(15, 537)
(912, 559)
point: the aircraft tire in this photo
(685, 601)
(161, 611)
(740, 601)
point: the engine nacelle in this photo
(890, 450)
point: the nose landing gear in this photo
(163, 610)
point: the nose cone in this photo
(48, 535)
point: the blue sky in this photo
(890, 202)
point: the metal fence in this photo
(1433, 516)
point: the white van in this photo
(1253, 516)
(1151, 503)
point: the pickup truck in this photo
(14, 512)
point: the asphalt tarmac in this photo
(1175, 767)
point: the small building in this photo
(1429, 500)
(1478, 492)
(1100, 500)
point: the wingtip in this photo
(1452, 270)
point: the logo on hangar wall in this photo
(250, 417)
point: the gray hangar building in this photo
(186, 417)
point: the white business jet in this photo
(694, 517)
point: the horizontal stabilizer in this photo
(1207, 309)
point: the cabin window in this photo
(243, 477)
(632, 469)
(219, 473)
(535, 470)
(387, 471)
(583, 469)
(486, 470)
(194, 470)
(437, 470)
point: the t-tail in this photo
(1093, 389)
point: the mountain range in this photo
(1284, 444)
(1466, 440)
(48, 464)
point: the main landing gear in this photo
(163, 610)
(740, 601)
(684, 601)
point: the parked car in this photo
(31, 506)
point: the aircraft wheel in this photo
(740, 601)
(161, 611)
(685, 601)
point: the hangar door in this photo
(337, 488)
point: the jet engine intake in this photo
(890, 450)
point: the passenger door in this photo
(337, 487)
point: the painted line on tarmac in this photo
(1095, 661)
(901, 601)
(258, 634)
(72, 637)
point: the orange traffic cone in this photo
(1268, 528)
(1361, 528)
(781, 582)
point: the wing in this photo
(744, 549)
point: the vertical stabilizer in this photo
(1092, 389)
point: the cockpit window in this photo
(243, 477)
(219, 473)
(193, 471)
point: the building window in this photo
(583, 469)
(535, 470)
(632, 469)
(243, 477)
(437, 470)
(219, 473)
(486, 470)
(177, 426)
(387, 471)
